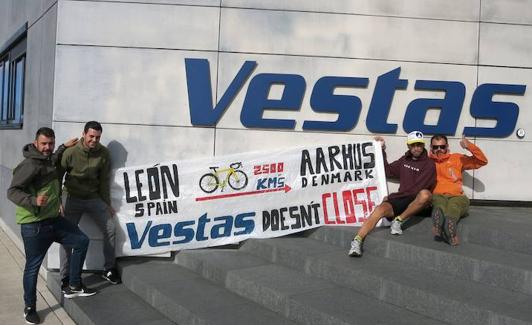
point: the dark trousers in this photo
(98, 210)
(38, 237)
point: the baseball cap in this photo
(415, 137)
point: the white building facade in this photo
(177, 79)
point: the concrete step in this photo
(186, 298)
(496, 267)
(309, 279)
(503, 228)
(426, 292)
(113, 304)
(297, 296)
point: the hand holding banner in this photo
(216, 201)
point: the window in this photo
(12, 77)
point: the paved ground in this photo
(11, 301)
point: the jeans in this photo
(37, 238)
(101, 215)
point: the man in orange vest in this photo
(449, 203)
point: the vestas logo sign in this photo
(348, 107)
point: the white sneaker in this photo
(356, 248)
(395, 228)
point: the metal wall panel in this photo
(467, 10)
(14, 13)
(138, 25)
(511, 76)
(506, 45)
(314, 34)
(212, 3)
(507, 175)
(124, 85)
(507, 11)
(230, 141)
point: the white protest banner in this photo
(221, 200)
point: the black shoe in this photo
(31, 316)
(111, 276)
(78, 291)
(64, 284)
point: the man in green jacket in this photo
(35, 189)
(87, 166)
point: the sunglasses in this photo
(436, 147)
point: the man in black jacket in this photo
(417, 176)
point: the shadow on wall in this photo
(473, 183)
(118, 154)
(118, 160)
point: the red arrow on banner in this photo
(286, 189)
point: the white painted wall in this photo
(123, 63)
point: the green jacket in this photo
(88, 172)
(36, 174)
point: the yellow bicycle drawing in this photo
(236, 178)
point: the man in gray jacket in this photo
(35, 189)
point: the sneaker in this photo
(356, 248)
(78, 291)
(64, 284)
(111, 276)
(395, 228)
(31, 316)
(437, 223)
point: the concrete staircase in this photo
(309, 279)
